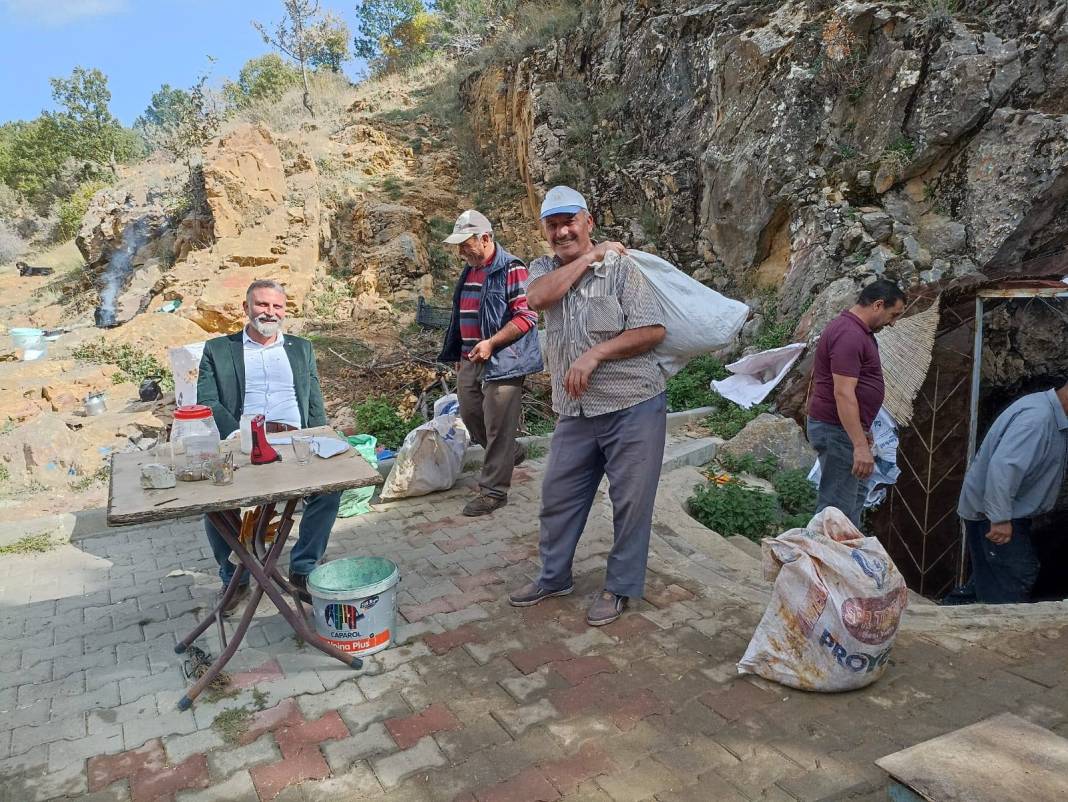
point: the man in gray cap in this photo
(493, 335)
(602, 321)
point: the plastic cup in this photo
(302, 448)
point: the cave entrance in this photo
(995, 343)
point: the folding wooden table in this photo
(259, 486)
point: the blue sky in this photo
(138, 44)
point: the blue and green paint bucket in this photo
(354, 601)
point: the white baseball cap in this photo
(562, 200)
(469, 224)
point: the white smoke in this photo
(119, 269)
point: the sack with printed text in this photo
(834, 610)
(698, 319)
(431, 456)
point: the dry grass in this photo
(331, 95)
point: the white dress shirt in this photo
(269, 389)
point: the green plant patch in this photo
(378, 416)
(134, 364)
(796, 493)
(735, 509)
(729, 418)
(30, 544)
(764, 468)
(689, 388)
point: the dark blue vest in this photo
(518, 359)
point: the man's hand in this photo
(481, 352)
(603, 249)
(1000, 533)
(577, 378)
(863, 461)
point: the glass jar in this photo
(194, 438)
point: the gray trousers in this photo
(491, 414)
(838, 486)
(628, 447)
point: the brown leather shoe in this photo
(484, 505)
(235, 601)
(606, 608)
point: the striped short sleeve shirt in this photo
(610, 298)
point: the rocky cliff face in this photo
(801, 146)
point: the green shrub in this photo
(796, 493)
(735, 509)
(729, 418)
(72, 210)
(764, 468)
(689, 388)
(134, 364)
(378, 416)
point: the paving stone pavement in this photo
(480, 702)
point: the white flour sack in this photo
(834, 611)
(697, 318)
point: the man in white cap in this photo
(493, 335)
(602, 321)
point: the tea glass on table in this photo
(302, 448)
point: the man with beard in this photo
(493, 341)
(602, 322)
(847, 392)
(261, 371)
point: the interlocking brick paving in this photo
(481, 701)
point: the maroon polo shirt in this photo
(847, 347)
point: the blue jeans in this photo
(838, 486)
(628, 447)
(320, 511)
(1002, 574)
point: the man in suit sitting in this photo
(261, 371)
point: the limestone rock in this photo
(243, 179)
(776, 435)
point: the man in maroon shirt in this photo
(847, 391)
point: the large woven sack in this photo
(698, 319)
(834, 611)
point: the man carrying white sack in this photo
(602, 324)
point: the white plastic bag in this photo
(697, 318)
(185, 365)
(835, 609)
(431, 456)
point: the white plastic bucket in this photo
(31, 342)
(354, 602)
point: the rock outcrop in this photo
(794, 145)
(243, 179)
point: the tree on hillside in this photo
(264, 78)
(85, 125)
(329, 38)
(165, 108)
(181, 122)
(293, 36)
(379, 22)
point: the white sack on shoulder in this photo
(697, 318)
(834, 611)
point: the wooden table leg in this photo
(268, 581)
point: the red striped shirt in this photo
(521, 315)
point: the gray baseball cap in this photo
(469, 224)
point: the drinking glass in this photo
(302, 448)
